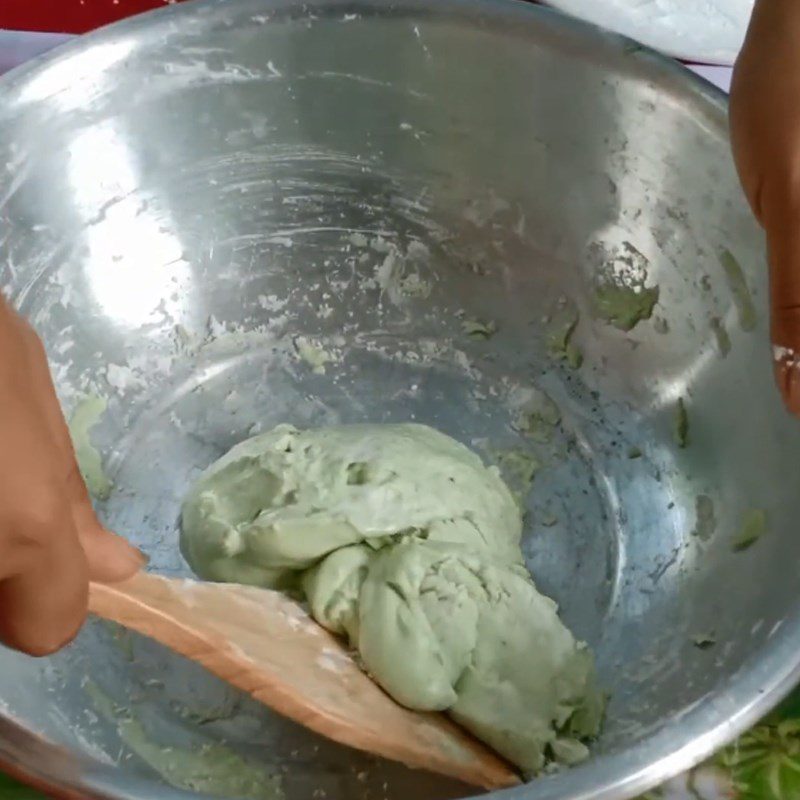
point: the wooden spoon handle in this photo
(267, 645)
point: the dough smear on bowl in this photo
(401, 539)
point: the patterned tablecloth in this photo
(763, 765)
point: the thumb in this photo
(43, 606)
(109, 557)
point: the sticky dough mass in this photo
(401, 539)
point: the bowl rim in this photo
(681, 742)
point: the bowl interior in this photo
(221, 218)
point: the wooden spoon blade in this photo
(267, 645)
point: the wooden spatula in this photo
(267, 645)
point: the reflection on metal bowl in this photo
(228, 215)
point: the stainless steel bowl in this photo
(186, 195)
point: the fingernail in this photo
(135, 554)
(783, 354)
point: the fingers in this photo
(787, 376)
(777, 205)
(781, 223)
(45, 392)
(786, 354)
(764, 112)
(765, 134)
(785, 324)
(43, 606)
(109, 557)
(51, 542)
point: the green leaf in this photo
(754, 526)
(790, 707)
(765, 763)
(13, 790)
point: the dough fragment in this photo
(404, 541)
(85, 416)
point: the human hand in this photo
(765, 133)
(51, 542)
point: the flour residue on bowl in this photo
(210, 768)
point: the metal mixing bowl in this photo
(185, 194)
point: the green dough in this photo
(538, 417)
(737, 283)
(625, 306)
(312, 354)
(706, 518)
(754, 526)
(681, 430)
(518, 468)
(85, 416)
(559, 335)
(621, 297)
(211, 769)
(476, 329)
(401, 539)
(722, 336)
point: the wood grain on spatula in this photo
(267, 645)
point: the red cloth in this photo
(69, 16)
